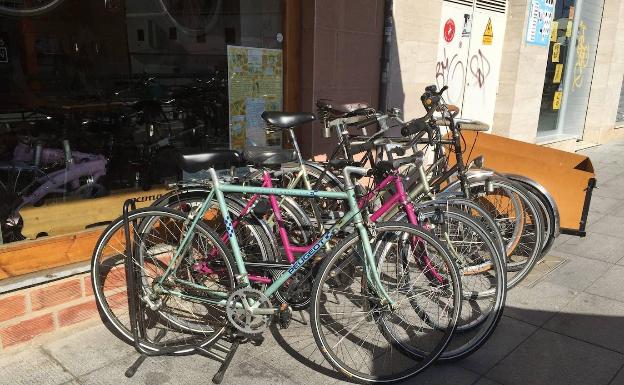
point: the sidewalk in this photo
(563, 325)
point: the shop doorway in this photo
(570, 68)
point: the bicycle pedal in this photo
(284, 316)
(256, 340)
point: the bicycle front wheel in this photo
(365, 339)
(173, 317)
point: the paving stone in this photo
(31, 366)
(578, 273)
(537, 304)
(609, 225)
(619, 378)
(542, 269)
(551, 358)
(187, 370)
(608, 172)
(444, 374)
(603, 205)
(508, 335)
(595, 246)
(486, 381)
(610, 285)
(610, 189)
(593, 319)
(88, 350)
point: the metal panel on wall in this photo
(470, 51)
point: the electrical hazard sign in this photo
(488, 34)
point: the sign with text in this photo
(540, 22)
(254, 86)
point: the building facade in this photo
(547, 72)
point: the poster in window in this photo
(254, 86)
(540, 22)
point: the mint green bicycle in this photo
(385, 300)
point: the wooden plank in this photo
(565, 175)
(58, 218)
(25, 257)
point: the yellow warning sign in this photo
(557, 100)
(558, 73)
(488, 34)
(554, 30)
(556, 52)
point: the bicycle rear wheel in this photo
(482, 271)
(518, 219)
(366, 340)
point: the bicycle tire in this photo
(481, 311)
(112, 313)
(547, 213)
(528, 245)
(113, 323)
(320, 298)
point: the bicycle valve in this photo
(38, 152)
(67, 150)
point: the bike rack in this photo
(136, 310)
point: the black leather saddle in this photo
(340, 109)
(287, 119)
(205, 160)
(270, 157)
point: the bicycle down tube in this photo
(354, 215)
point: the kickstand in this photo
(303, 318)
(218, 377)
(131, 371)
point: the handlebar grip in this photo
(413, 127)
(442, 90)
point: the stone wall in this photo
(607, 79)
(414, 53)
(521, 81)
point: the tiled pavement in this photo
(566, 327)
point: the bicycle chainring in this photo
(239, 313)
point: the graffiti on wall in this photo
(450, 71)
(480, 68)
(581, 56)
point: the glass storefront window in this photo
(124, 84)
(570, 67)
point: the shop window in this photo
(105, 84)
(569, 70)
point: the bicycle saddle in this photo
(205, 160)
(287, 119)
(263, 156)
(338, 108)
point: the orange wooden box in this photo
(567, 176)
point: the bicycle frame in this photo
(354, 215)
